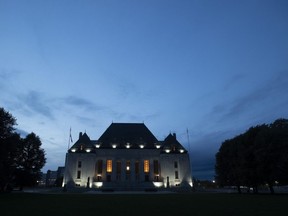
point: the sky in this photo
(205, 70)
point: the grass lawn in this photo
(178, 204)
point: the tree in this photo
(30, 161)
(259, 156)
(8, 144)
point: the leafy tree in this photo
(228, 163)
(30, 161)
(20, 159)
(259, 156)
(8, 144)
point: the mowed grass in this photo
(179, 204)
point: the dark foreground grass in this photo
(143, 204)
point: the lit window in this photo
(146, 166)
(109, 166)
(127, 166)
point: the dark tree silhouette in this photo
(8, 144)
(20, 159)
(30, 160)
(259, 156)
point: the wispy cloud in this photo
(80, 102)
(36, 102)
(263, 97)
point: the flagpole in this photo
(70, 139)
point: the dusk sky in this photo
(212, 67)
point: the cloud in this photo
(266, 97)
(81, 102)
(36, 102)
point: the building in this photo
(54, 178)
(127, 156)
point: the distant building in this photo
(54, 178)
(127, 156)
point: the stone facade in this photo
(127, 157)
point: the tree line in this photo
(257, 157)
(21, 159)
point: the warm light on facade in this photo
(109, 166)
(141, 146)
(167, 150)
(114, 146)
(181, 150)
(73, 150)
(146, 166)
(88, 150)
(97, 145)
(158, 146)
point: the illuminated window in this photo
(109, 166)
(146, 166)
(128, 170)
(127, 166)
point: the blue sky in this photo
(212, 67)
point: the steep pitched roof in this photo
(82, 143)
(171, 143)
(123, 133)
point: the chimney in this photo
(80, 135)
(174, 135)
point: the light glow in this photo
(114, 146)
(109, 166)
(158, 184)
(181, 150)
(98, 184)
(141, 146)
(88, 150)
(73, 150)
(97, 146)
(158, 146)
(146, 166)
(167, 150)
